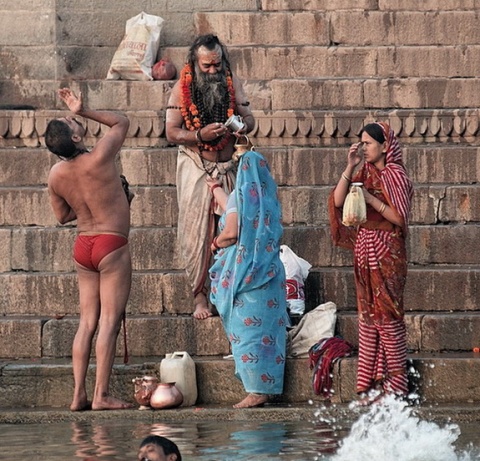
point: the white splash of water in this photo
(391, 432)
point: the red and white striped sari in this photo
(380, 267)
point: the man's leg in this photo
(88, 284)
(115, 281)
(202, 311)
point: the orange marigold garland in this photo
(190, 111)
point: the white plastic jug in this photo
(179, 368)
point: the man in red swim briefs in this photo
(86, 186)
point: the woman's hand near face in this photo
(354, 155)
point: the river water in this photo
(386, 432)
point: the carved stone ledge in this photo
(289, 128)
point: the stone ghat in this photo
(440, 379)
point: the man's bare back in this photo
(86, 186)
(93, 189)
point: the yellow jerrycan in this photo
(179, 368)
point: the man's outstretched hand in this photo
(74, 102)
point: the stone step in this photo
(279, 94)
(271, 62)
(86, 51)
(103, 25)
(312, 57)
(433, 289)
(147, 335)
(268, 44)
(312, 128)
(426, 245)
(154, 248)
(374, 93)
(428, 331)
(427, 164)
(43, 337)
(388, 5)
(352, 26)
(49, 383)
(429, 289)
(157, 206)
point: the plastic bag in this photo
(296, 271)
(138, 49)
(354, 208)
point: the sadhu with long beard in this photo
(202, 100)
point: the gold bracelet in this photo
(382, 208)
(344, 176)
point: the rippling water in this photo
(212, 441)
(385, 433)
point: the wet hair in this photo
(375, 131)
(58, 139)
(210, 42)
(169, 447)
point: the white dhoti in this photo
(196, 212)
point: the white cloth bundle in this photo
(314, 325)
(354, 208)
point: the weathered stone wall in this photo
(359, 54)
(46, 44)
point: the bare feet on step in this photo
(252, 400)
(80, 402)
(81, 406)
(111, 403)
(201, 307)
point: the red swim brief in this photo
(89, 250)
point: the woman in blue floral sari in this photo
(248, 279)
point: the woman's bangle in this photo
(198, 136)
(344, 176)
(214, 187)
(382, 208)
(215, 244)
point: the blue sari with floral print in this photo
(248, 281)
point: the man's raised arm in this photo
(119, 123)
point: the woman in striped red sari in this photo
(380, 262)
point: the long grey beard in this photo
(212, 87)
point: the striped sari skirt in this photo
(380, 276)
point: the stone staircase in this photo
(315, 72)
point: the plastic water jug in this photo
(179, 368)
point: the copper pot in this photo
(166, 395)
(242, 145)
(144, 388)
